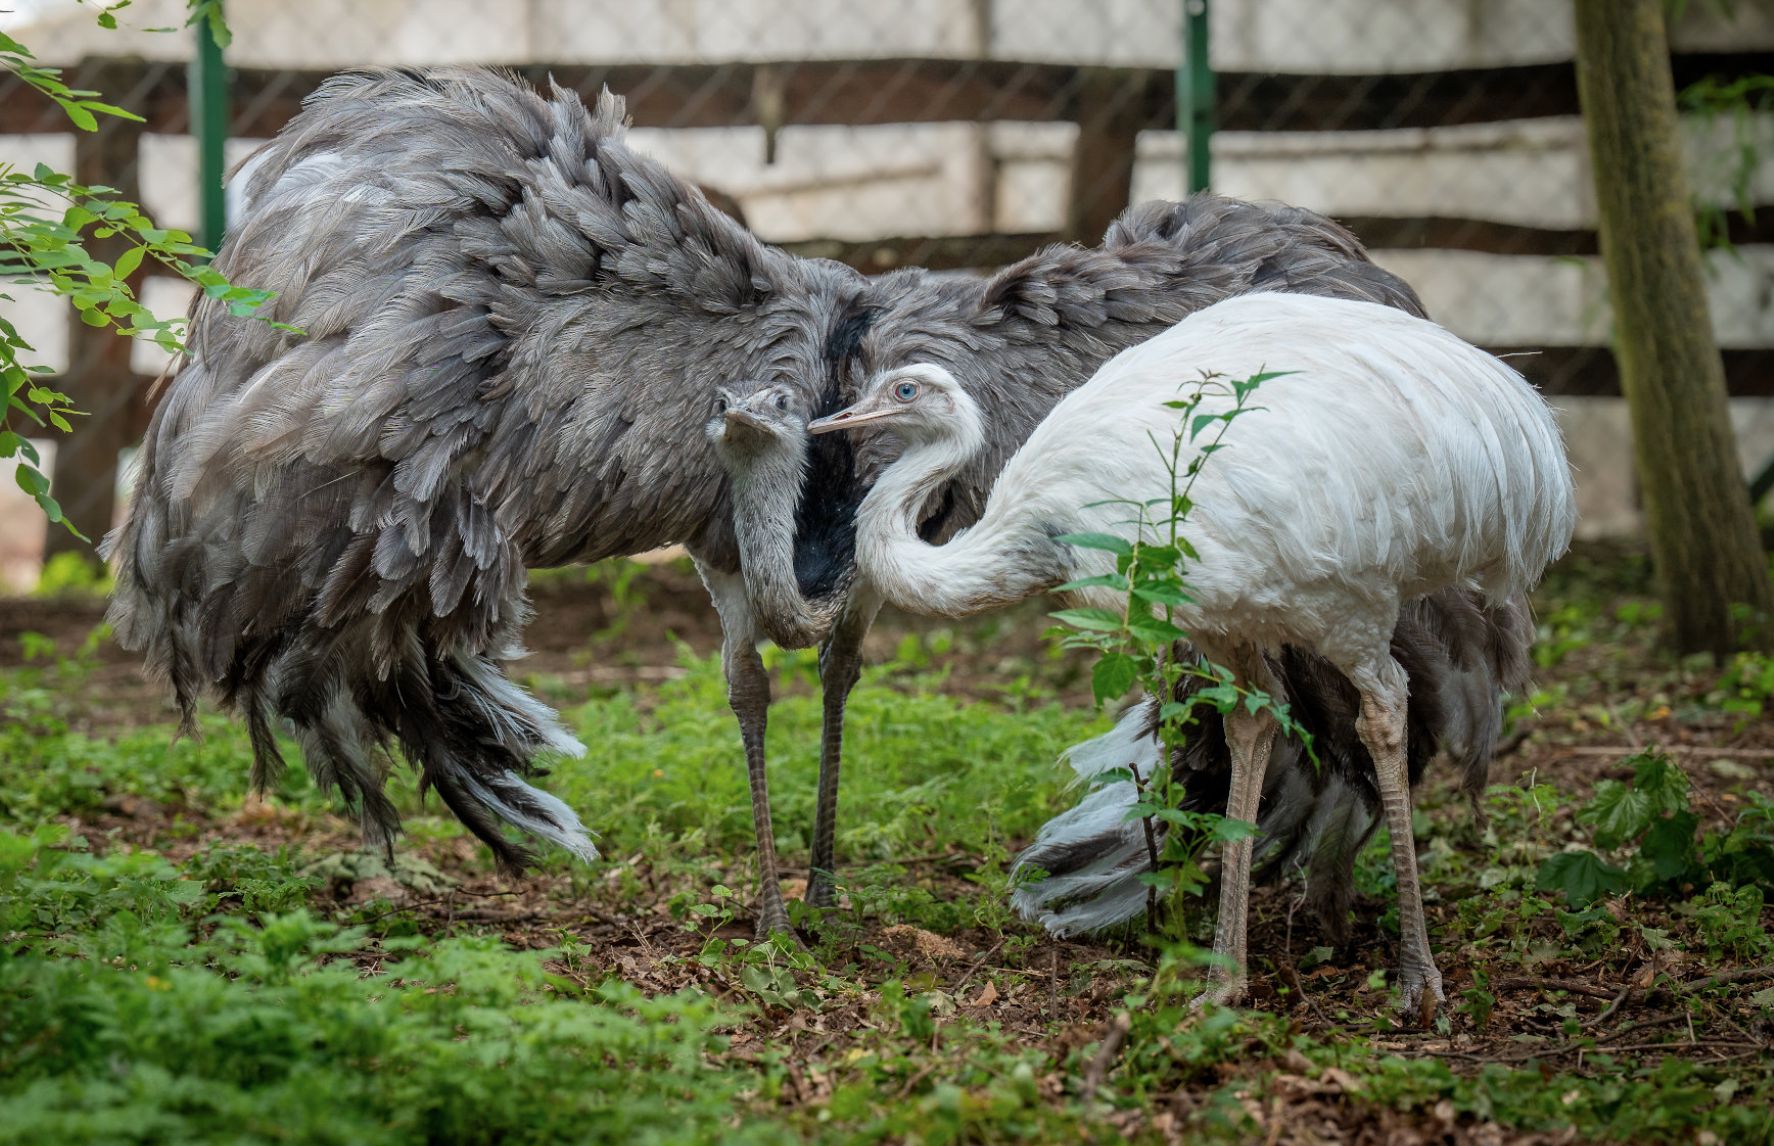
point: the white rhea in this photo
(1393, 461)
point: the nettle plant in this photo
(1142, 644)
(1648, 841)
(47, 221)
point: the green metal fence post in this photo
(1195, 93)
(209, 123)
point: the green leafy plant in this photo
(1648, 819)
(190, 975)
(1746, 688)
(1141, 643)
(1742, 100)
(71, 575)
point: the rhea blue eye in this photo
(906, 391)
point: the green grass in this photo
(139, 1011)
(928, 771)
(167, 976)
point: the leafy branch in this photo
(1649, 823)
(1741, 99)
(47, 221)
(1141, 642)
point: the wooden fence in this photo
(1111, 105)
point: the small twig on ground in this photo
(602, 917)
(961, 984)
(1529, 982)
(1723, 977)
(1645, 1025)
(1291, 975)
(1702, 1044)
(1293, 904)
(398, 908)
(1274, 1134)
(918, 1076)
(1607, 1012)
(1673, 749)
(1588, 1048)
(1107, 1053)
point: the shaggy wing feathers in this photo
(1037, 329)
(332, 526)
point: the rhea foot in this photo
(1422, 995)
(1224, 989)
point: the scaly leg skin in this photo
(1249, 737)
(840, 664)
(1382, 729)
(748, 694)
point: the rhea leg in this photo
(1249, 738)
(1384, 695)
(840, 664)
(748, 694)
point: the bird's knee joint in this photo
(1383, 736)
(744, 698)
(840, 677)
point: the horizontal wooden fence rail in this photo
(1377, 233)
(1559, 371)
(919, 90)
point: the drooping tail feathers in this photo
(1084, 871)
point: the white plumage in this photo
(1392, 461)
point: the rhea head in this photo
(753, 416)
(920, 403)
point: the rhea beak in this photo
(740, 417)
(850, 418)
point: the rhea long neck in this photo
(1001, 560)
(766, 487)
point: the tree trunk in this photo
(1710, 567)
(1108, 111)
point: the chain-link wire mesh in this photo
(965, 133)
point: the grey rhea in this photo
(509, 331)
(509, 325)
(1021, 339)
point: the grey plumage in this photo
(1042, 328)
(508, 319)
(1038, 329)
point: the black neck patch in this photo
(825, 516)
